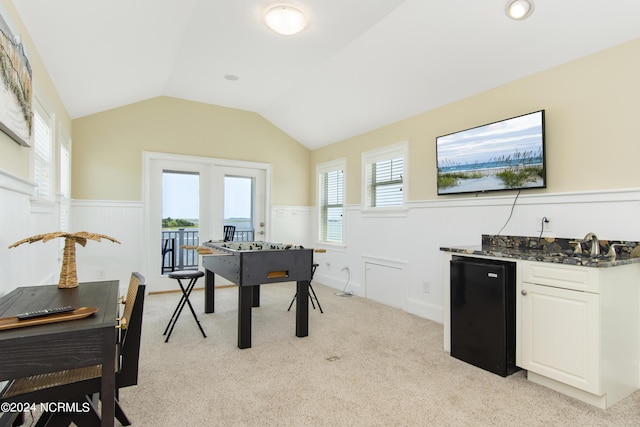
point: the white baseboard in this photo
(425, 309)
(334, 283)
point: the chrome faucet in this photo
(612, 250)
(595, 243)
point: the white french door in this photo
(244, 202)
(214, 178)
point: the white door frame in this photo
(259, 210)
(210, 170)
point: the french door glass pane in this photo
(238, 206)
(180, 220)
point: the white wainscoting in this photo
(416, 238)
(385, 281)
(123, 220)
(291, 224)
(21, 217)
(106, 260)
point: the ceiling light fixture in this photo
(519, 9)
(285, 20)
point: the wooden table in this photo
(65, 345)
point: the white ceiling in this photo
(359, 65)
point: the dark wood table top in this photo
(56, 346)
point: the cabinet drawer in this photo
(561, 276)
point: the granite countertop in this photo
(551, 249)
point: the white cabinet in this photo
(561, 336)
(578, 329)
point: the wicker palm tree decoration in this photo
(68, 274)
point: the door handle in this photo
(523, 292)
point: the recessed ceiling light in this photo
(285, 20)
(231, 77)
(519, 9)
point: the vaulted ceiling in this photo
(359, 65)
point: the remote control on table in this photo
(45, 312)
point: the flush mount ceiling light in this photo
(285, 20)
(519, 9)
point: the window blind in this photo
(177, 172)
(42, 156)
(65, 188)
(384, 181)
(331, 206)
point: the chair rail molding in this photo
(11, 182)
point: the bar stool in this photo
(312, 293)
(193, 276)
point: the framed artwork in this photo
(16, 118)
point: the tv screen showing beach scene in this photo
(505, 155)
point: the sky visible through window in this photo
(237, 197)
(180, 196)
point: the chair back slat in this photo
(229, 232)
(130, 299)
(130, 338)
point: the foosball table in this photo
(252, 264)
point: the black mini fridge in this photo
(483, 313)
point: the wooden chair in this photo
(229, 233)
(82, 385)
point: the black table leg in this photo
(245, 300)
(108, 379)
(209, 291)
(256, 296)
(302, 309)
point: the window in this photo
(331, 201)
(42, 151)
(64, 168)
(384, 170)
(238, 206)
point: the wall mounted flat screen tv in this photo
(505, 155)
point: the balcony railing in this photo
(243, 236)
(175, 257)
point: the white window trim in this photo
(333, 165)
(64, 141)
(41, 204)
(400, 149)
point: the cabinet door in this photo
(561, 335)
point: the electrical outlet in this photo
(328, 264)
(100, 274)
(539, 223)
(426, 287)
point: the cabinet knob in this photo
(523, 292)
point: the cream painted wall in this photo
(13, 157)
(20, 216)
(592, 126)
(107, 147)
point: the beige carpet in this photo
(363, 364)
